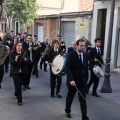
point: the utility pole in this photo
(106, 87)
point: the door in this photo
(68, 32)
(40, 32)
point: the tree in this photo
(24, 11)
(1, 1)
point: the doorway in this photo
(101, 25)
(40, 32)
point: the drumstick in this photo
(101, 63)
(80, 93)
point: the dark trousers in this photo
(53, 80)
(43, 62)
(6, 63)
(70, 97)
(1, 73)
(18, 80)
(28, 76)
(35, 62)
(93, 80)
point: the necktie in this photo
(80, 58)
(99, 52)
(56, 52)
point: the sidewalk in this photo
(115, 85)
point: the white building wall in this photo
(116, 26)
(100, 5)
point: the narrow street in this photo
(38, 105)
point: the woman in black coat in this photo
(18, 61)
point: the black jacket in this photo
(70, 50)
(93, 54)
(52, 54)
(25, 47)
(15, 66)
(75, 70)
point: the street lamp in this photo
(106, 87)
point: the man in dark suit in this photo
(76, 65)
(36, 50)
(28, 49)
(72, 48)
(24, 37)
(95, 56)
(43, 60)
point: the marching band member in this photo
(27, 47)
(95, 55)
(45, 45)
(18, 69)
(36, 50)
(51, 54)
(62, 46)
(77, 64)
(72, 48)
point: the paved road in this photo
(38, 105)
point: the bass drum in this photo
(58, 67)
(98, 71)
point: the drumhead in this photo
(98, 71)
(58, 64)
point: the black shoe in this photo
(28, 87)
(19, 103)
(52, 96)
(95, 95)
(59, 95)
(68, 115)
(24, 88)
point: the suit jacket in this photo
(17, 67)
(52, 54)
(70, 49)
(22, 40)
(25, 47)
(75, 70)
(93, 54)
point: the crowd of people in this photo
(26, 52)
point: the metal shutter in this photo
(68, 32)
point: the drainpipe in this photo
(59, 25)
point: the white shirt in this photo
(98, 49)
(81, 55)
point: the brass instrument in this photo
(4, 50)
(62, 43)
(21, 57)
(36, 45)
(45, 51)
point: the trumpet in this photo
(36, 45)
